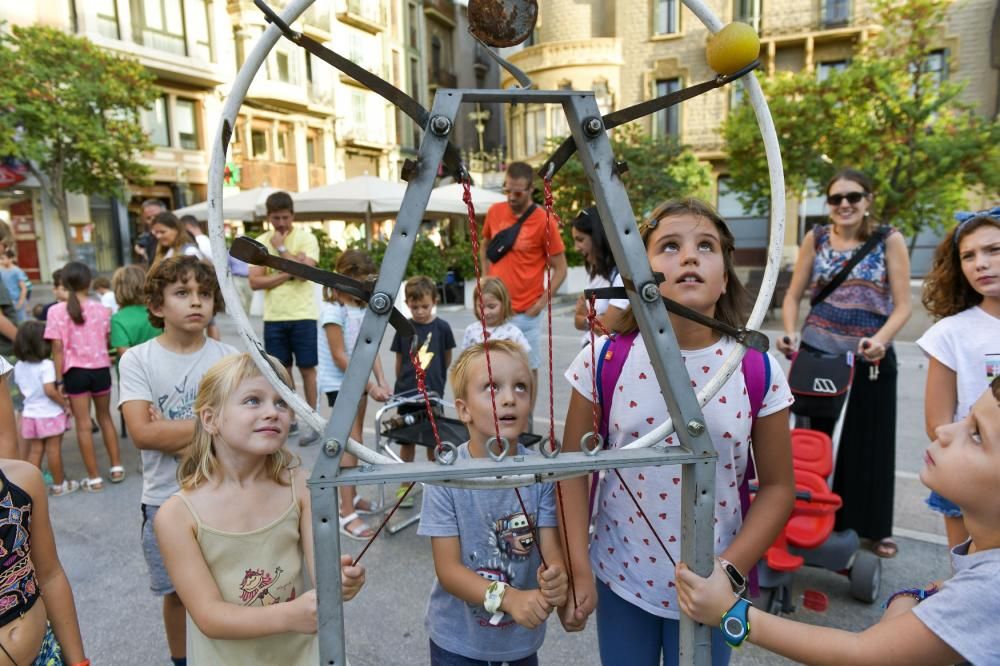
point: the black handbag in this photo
(819, 380)
(502, 243)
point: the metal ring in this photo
(504, 448)
(592, 437)
(556, 448)
(447, 454)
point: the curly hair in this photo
(946, 291)
(732, 306)
(179, 269)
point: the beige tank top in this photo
(257, 568)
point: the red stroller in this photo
(808, 538)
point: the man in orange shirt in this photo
(522, 269)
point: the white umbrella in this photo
(447, 199)
(359, 197)
(247, 205)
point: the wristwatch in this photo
(735, 623)
(736, 579)
(493, 599)
(282, 249)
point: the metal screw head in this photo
(331, 447)
(440, 125)
(695, 427)
(621, 167)
(650, 292)
(592, 126)
(380, 303)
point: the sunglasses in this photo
(852, 198)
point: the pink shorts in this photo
(41, 428)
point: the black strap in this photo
(524, 216)
(863, 251)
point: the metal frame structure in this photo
(695, 453)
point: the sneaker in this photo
(47, 477)
(308, 436)
(407, 503)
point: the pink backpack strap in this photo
(757, 376)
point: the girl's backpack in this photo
(756, 373)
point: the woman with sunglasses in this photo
(862, 316)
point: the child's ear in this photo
(209, 421)
(464, 415)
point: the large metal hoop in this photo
(234, 306)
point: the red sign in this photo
(12, 172)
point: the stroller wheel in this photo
(865, 576)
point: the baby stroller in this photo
(403, 419)
(808, 538)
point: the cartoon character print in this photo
(514, 536)
(257, 585)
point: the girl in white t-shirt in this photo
(963, 292)
(497, 311)
(634, 595)
(46, 412)
(589, 240)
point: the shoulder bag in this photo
(502, 243)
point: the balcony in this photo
(442, 10)
(316, 20)
(258, 173)
(365, 15)
(361, 136)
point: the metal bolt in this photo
(380, 303)
(696, 427)
(650, 292)
(621, 167)
(518, 459)
(367, 467)
(440, 125)
(331, 447)
(592, 126)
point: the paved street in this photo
(98, 539)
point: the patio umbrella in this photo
(447, 199)
(362, 197)
(247, 206)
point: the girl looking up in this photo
(80, 330)
(237, 539)
(634, 594)
(963, 347)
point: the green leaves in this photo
(887, 114)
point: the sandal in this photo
(117, 474)
(365, 511)
(886, 548)
(361, 530)
(64, 488)
(94, 485)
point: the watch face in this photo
(734, 627)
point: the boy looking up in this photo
(433, 349)
(498, 563)
(158, 385)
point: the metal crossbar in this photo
(696, 453)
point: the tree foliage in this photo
(70, 110)
(658, 169)
(886, 114)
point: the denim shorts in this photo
(285, 339)
(943, 506)
(159, 579)
(532, 329)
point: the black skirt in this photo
(866, 460)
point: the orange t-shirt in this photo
(522, 269)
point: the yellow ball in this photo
(732, 48)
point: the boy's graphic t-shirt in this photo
(433, 340)
(169, 381)
(963, 612)
(967, 343)
(498, 543)
(624, 552)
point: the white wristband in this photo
(493, 599)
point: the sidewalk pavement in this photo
(98, 539)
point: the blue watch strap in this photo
(735, 623)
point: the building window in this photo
(413, 18)
(825, 69)
(358, 111)
(107, 18)
(750, 227)
(667, 122)
(666, 17)
(258, 141)
(835, 13)
(747, 11)
(156, 123)
(159, 24)
(282, 69)
(186, 119)
(201, 30)
(281, 146)
(312, 150)
(737, 93)
(936, 64)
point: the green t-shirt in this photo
(130, 327)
